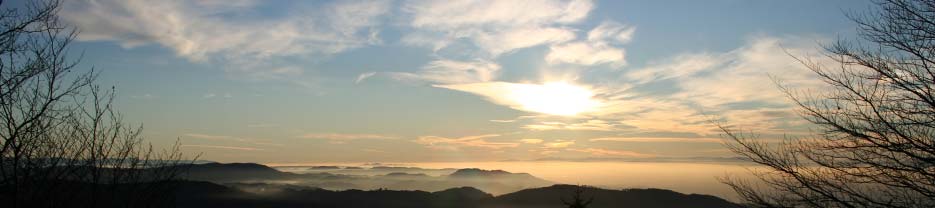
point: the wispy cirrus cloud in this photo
(602, 46)
(607, 152)
(446, 71)
(238, 33)
(478, 141)
(231, 139)
(496, 27)
(659, 139)
(531, 141)
(340, 136)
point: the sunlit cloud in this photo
(585, 54)
(204, 31)
(553, 98)
(453, 72)
(337, 136)
(611, 31)
(588, 125)
(234, 139)
(602, 46)
(478, 141)
(735, 86)
(207, 136)
(531, 141)
(659, 139)
(607, 152)
(497, 27)
(558, 144)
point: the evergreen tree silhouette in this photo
(577, 200)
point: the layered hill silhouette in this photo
(491, 181)
(205, 194)
(254, 185)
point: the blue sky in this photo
(419, 81)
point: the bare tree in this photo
(577, 199)
(874, 141)
(61, 141)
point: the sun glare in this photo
(554, 98)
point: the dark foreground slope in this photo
(203, 194)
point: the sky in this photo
(456, 81)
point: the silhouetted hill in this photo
(491, 181)
(474, 172)
(207, 194)
(462, 194)
(201, 194)
(642, 198)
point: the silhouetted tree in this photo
(577, 200)
(874, 142)
(61, 142)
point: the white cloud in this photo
(585, 53)
(557, 98)
(600, 47)
(611, 31)
(229, 31)
(516, 38)
(478, 141)
(453, 72)
(495, 26)
(363, 76)
(733, 85)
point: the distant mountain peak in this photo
(471, 172)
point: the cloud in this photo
(659, 139)
(478, 141)
(496, 27)
(531, 141)
(611, 31)
(556, 98)
(446, 71)
(588, 125)
(558, 144)
(236, 33)
(600, 47)
(207, 136)
(687, 91)
(226, 138)
(584, 53)
(508, 40)
(337, 136)
(606, 152)
(222, 147)
(363, 76)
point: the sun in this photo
(554, 98)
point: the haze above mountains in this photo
(250, 185)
